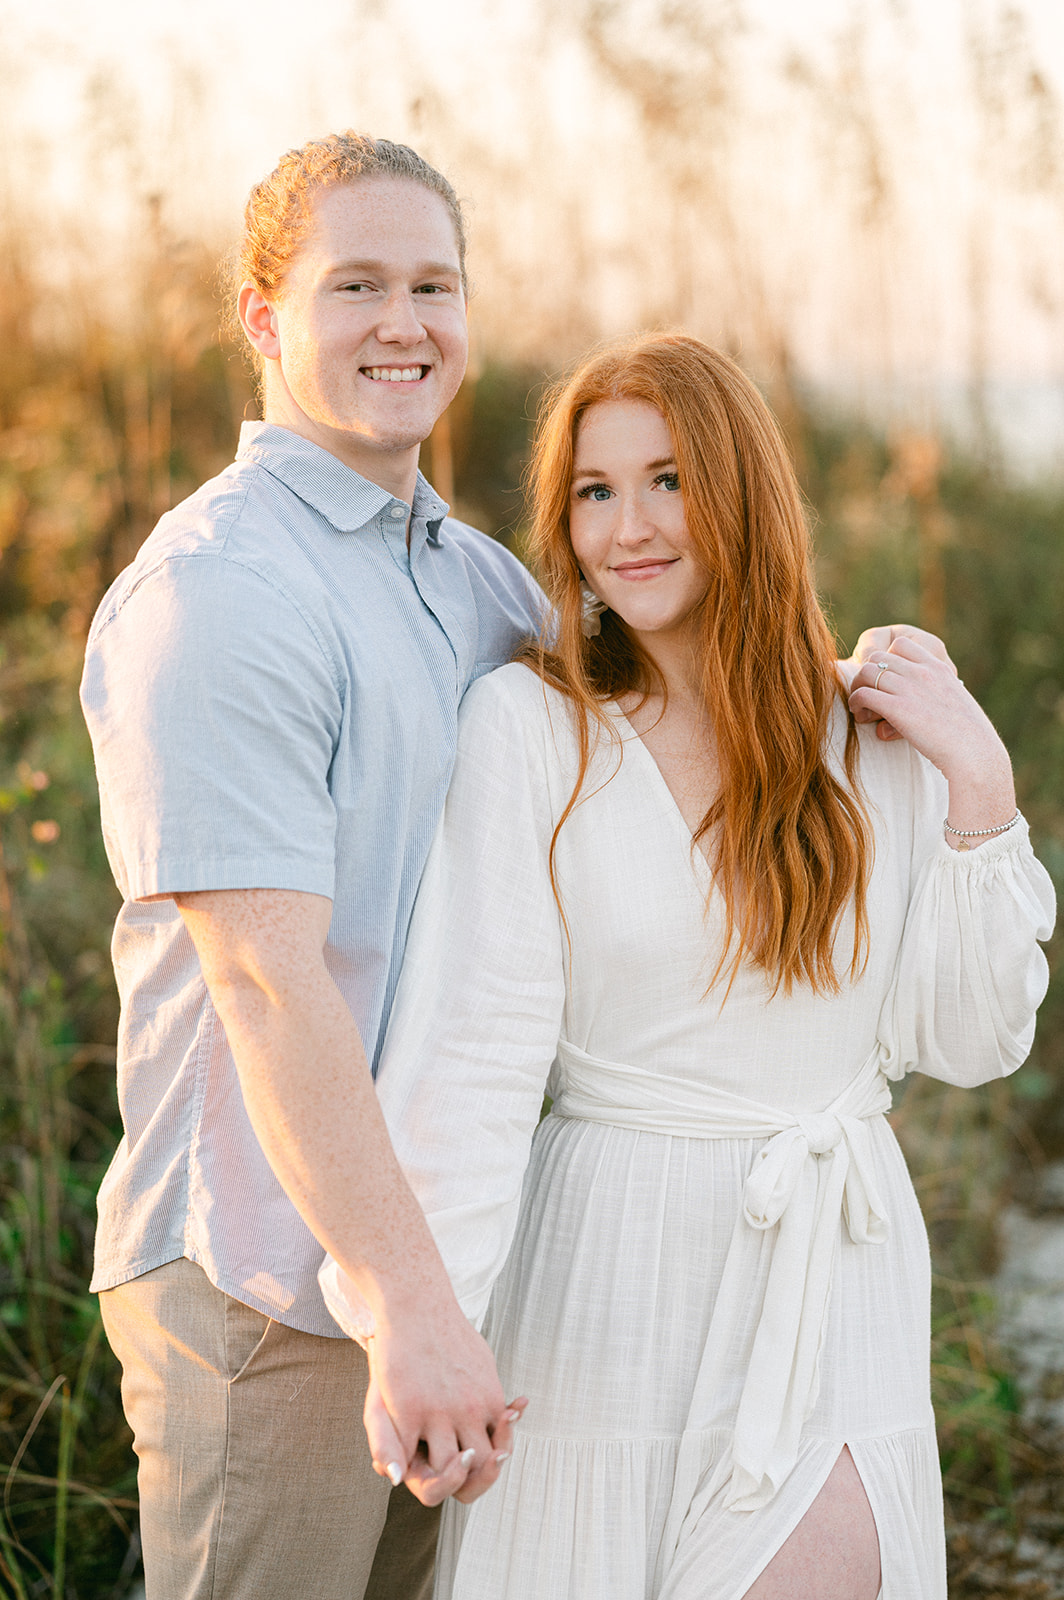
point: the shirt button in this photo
(397, 511)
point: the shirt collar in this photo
(340, 494)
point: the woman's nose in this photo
(633, 526)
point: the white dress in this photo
(706, 1268)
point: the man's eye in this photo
(594, 491)
(430, 288)
(355, 288)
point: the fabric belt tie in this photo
(815, 1172)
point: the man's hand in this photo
(308, 1092)
(877, 642)
(449, 1455)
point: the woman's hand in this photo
(921, 698)
(476, 1484)
(876, 643)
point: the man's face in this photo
(371, 324)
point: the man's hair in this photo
(279, 212)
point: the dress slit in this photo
(842, 1451)
(738, 1546)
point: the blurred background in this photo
(862, 200)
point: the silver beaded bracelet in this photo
(978, 833)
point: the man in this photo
(272, 691)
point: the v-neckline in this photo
(693, 849)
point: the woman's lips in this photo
(641, 570)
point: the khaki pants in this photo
(255, 1477)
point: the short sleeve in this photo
(214, 710)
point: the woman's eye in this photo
(669, 481)
(594, 491)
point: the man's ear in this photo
(259, 321)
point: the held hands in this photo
(435, 1415)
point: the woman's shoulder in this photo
(515, 704)
(514, 701)
(891, 775)
(514, 690)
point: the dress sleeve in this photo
(477, 1014)
(970, 973)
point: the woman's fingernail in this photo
(513, 1416)
(394, 1473)
(467, 1457)
(503, 1455)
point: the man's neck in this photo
(393, 471)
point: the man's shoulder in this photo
(203, 523)
(225, 524)
(489, 556)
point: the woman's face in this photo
(626, 519)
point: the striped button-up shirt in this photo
(272, 690)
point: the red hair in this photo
(789, 842)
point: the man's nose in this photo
(399, 322)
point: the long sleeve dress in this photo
(706, 1267)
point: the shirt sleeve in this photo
(214, 711)
(477, 1014)
(970, 973)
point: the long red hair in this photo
(789, 842)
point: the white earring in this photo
(590, 621)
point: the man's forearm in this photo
(311, 1101)
(309, 1094)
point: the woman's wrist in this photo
(982, 795)
(969, 837)
(979, 811)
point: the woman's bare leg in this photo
(833, 1553)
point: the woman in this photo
(677, 887)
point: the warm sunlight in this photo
(872, 195)
(531, 794)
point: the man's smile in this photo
(395, 374)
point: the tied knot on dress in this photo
(782, 1169)
(822, 1132)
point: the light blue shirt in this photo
(272, 691)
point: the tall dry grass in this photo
(100, 431)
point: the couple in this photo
(713, 1289)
